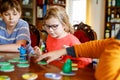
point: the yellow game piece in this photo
(74, 68)
(74, 64)
(4, 77)
(29, 76)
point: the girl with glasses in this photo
(60, 32)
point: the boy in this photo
(14, 31)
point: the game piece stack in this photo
(23, 65)
(9, 66)
(23, 61)
(67, 68)
(74, 67)
(22, 51)
(6, 67)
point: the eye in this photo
(6, 14)
(48, 26)
(54, 26)
(14, 13)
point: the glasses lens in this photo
(54, 27)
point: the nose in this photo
(10, 16)
(50, 29)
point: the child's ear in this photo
(1, 15)
(20, 14)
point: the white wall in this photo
(69, 9)
(96, 15)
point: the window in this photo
(77, 11)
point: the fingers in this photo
(37, 50)
(42, 57)
(50, 60)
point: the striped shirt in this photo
(20, 32)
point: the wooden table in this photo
(86, 73)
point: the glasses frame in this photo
(54, 26)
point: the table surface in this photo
(86, 73)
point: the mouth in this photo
(11, 22)
(51, 33)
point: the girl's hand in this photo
(51, 56)
(37, 51)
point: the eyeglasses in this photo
(54, 27)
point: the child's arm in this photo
(12, 47)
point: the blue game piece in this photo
(53, 76)
(22, 50)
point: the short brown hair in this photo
(9, 4)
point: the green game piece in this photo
(42, 62)
(4, 77)
(16, 58)
(23, 65)
(23, 61)
(4, 63)
(12, 60)
(67, 66)
(7, 68)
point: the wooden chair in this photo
(34, 35)
(44, 35)
(84, 32)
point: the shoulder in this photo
(72, 38)
(2, 23)
(22, 23)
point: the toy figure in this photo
(22, 52)
(67, 67)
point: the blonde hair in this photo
(59, 13)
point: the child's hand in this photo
(65, 46)
(51, 56)
(37, 51)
